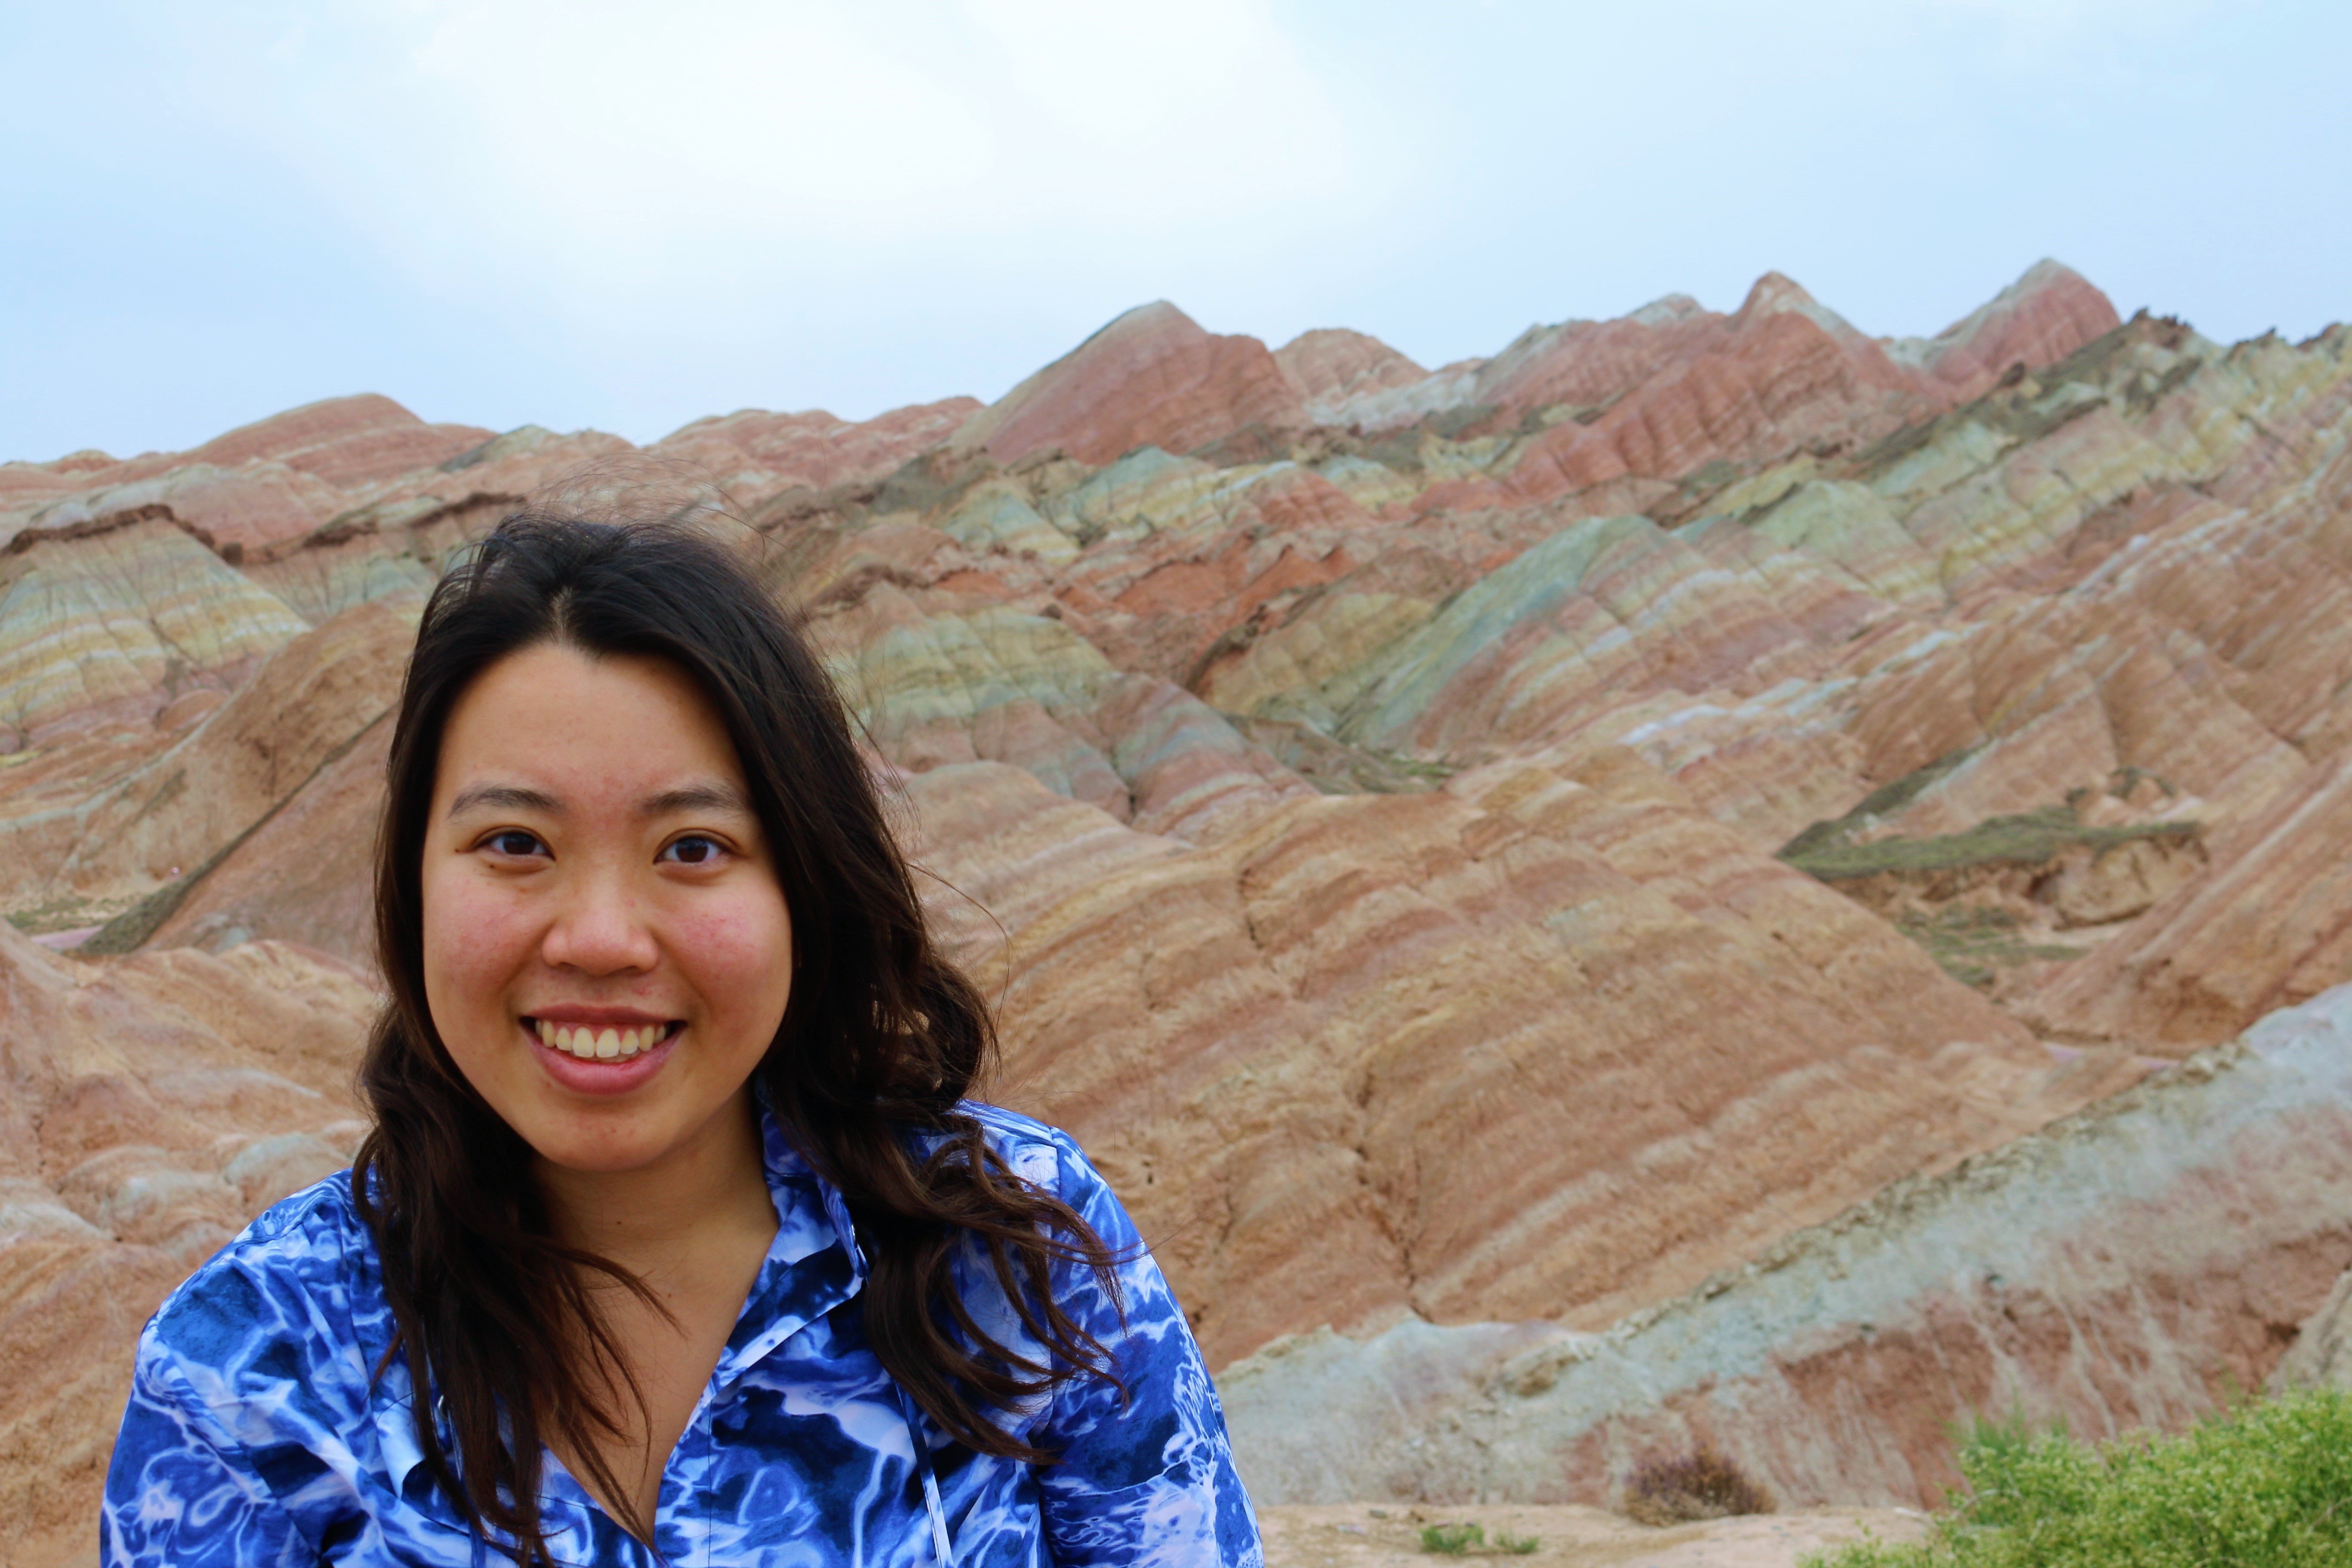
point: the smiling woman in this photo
(677, 1238)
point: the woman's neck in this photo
(652, 1218)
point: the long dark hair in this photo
(881, 1038)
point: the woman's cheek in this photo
(736, 952)
(476, 943)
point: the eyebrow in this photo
(706, 796)
(709, 796)
(505, 797)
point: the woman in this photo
(675, 1239)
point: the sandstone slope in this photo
(2133, 1266)
(151, 1105)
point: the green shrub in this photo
(2265, 1486)
(1701, 1484)
(1461, 1540)
(1453, 1539)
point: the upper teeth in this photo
(606, 1044)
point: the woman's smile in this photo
(600, 1055)
(590, 1044)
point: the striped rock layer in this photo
(1365, 787)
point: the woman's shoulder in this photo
(1008, 1130)
(1038, 1152)
(1050, 1159)
(282, 1293)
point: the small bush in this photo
(1699, 1485)
(1461, 1540)
(2266, 1486)
(1453, 1539)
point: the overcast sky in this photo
(627, 214)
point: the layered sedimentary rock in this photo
(1498, 844)
(1333, 366)
(306, 458)
(1153, 377)
(2321, 1355)
(345, 441)
(2269, 927)
(152, 1104)
(2134, 1267)
(1278, 1045)
(301, 711)
(753, 455)
(2042, 317)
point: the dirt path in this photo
(1361, 1535)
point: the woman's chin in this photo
(609, 1142)
(588, 1157)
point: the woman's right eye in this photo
(512, 841)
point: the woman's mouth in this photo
(591, 1043)
(603, 1058)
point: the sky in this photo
(626, 216)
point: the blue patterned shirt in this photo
(256, 1435)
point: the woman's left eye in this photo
(694, 849)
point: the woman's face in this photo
(607, 953)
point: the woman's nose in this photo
(599, 928)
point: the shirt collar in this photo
(812, 1266)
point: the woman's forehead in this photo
(553, 712)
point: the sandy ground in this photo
(1364, 1535)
